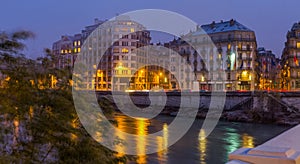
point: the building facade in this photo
(225, 47)
(290, 72)
(67, 48)
(267, 70)
(114, 46)
(218, 56)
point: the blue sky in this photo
(270, 19)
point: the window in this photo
(248, 47)
(220, 56)
(133, 36)
(240, 46)
(124, 43)
(124, 29)
(79, 43)
(132, 30)
(298, 44)
(229, 46)
(116, 43)
(228, 76)
(115, 58)
(79, 49)
(115, 50)
(173, 68)
(75, 43)
(125, 50)
(133, 44)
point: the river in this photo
(193, 147)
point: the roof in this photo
(296, 26)
(226, 26)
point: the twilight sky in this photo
(270, 19)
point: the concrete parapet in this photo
(283, 149)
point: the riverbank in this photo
(250, 116)
(251, 107)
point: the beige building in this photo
(230, 48)
(113, 46)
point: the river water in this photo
(193, 147)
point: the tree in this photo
(41, 124)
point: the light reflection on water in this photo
(194, 147)
(202, 146)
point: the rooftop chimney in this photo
(232, 21)
(212, 25)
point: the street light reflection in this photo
(202, 146)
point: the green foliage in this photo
(46, 115)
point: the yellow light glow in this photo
(132, 30)
(160, 74)
(79, 49)
(298, 44)
(166, 80)
(202, 145)
(248, 141)
(125, 50)
(142, 131)
(202, 78)
(31, 111)
(229, 46)
(244, 73)
(120, 148)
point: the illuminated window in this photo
(132, 30)
(220, 56)
(75, 50)
(125, 50)
(229, 46)
(298, 44)
(124, 29)
(66, 51)
(75, 43)
(70, 51)
(79, 49)
(240, 46)
(116, 50)
(61, 51)
(79, 43)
